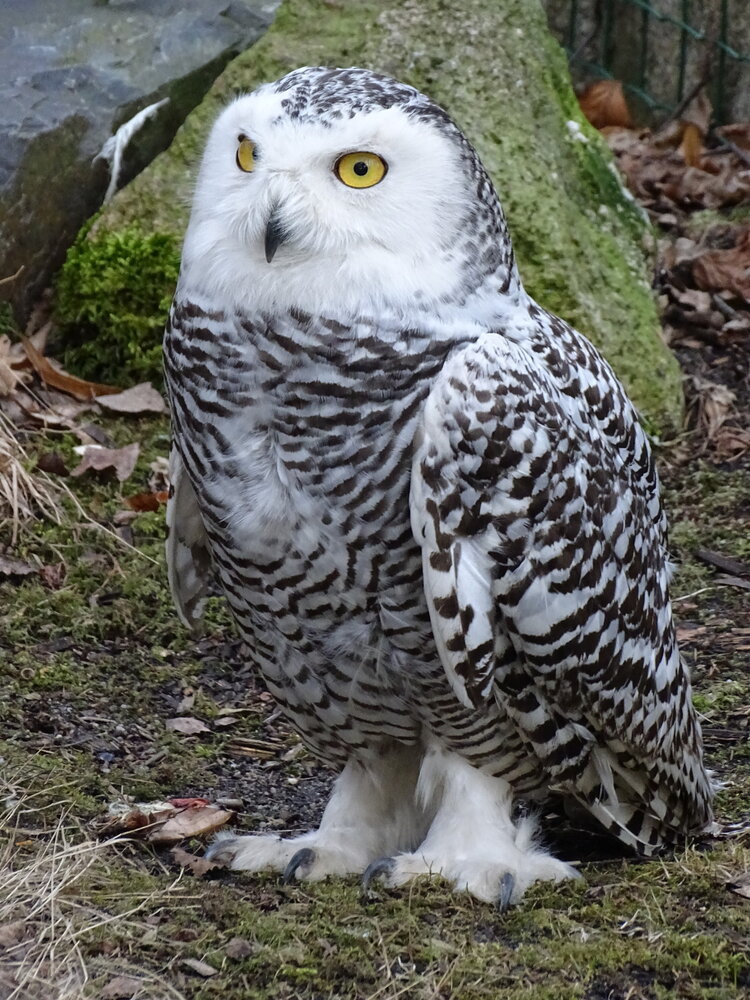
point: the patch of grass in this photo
(709, 508)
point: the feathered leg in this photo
(472, 840)
(373, 811)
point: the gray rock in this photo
(72, 72)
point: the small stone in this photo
(200, 968)
(239, 948)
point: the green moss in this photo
(709, 508)
(500, 74)
(8, 326)
(112, 297)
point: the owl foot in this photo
(484, 879)
(372, 812)
(381, 866)
(507, 885)
(292, 856)
(385, 868)
(472, 841)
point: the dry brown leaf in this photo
(738, 133)
(138, 818)
(698, 112)
(691, 147)
(164, 822)
(201, 968)
(686, 249)
(741, 885)
(120, 988)
(687, 633)
(143, 502)
(225, 720)
(58, 378)
(53, 577)
(15, 567)
(694, 299)
(142, 398)
(186, 725)
(99, 459)
(53, 463)
(197, 865)
(715, 405)
(604, 104)
(187, 701)
(731, 442)
(726, 269)
(9, 377)
(13, 933)
(190, 802)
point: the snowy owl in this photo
(429, 502)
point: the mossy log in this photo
(494, 66)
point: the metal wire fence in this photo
(664, 51)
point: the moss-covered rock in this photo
(497, 70)
(121, 292)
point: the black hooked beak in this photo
(275, 235)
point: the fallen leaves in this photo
(202, 969)
(741, 885)
(142, 398)
(714, 413)
(37, 393)
(54, 375)
(98, 459)
(165, 822)
(121, 988)
(10, 376)
(52, 463)
(604, 105)
(726, 269)
(142, 502)
(53, 576)
(15, 567)
(704, 269)
(667, 178)
(187, 726)
(196, 865)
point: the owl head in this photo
(341, 189)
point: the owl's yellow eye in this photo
(246, 154)
(360, 170)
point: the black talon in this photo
(507, 885)
(376, 868)
(304, 858)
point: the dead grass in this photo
(21, 492)
(47, 923)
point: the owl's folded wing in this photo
(546, 582)
(188, 555)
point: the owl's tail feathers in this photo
(732, 829)
(647, 810)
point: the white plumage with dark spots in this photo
(429, 502)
